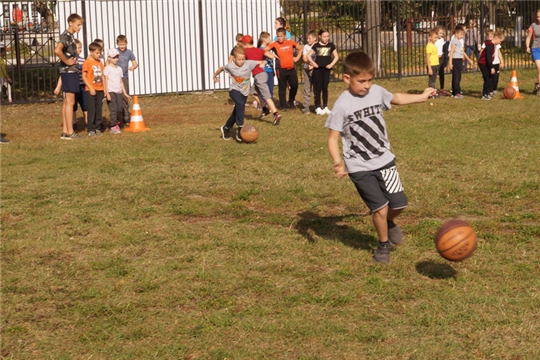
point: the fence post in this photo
(409, 34)
(518, 31)
(398, 41)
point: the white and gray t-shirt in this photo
(360, 121)
(241, 76)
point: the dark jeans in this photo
(125, 107)
(116, 106)
(287, 78)
(239, 110)
(496, 76)
(457, 68)
(488, 80)
(442, 67)
(321, 79)
(95, 115)
(433, 77)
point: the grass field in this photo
(175, 244)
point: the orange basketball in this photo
(455, 240)
(249, 133)
(509, 92)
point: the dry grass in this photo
(174, 244)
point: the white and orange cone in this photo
(514, 84)
(136, 123)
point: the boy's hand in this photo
(339, 170)
(108, 97)
(216, 79)
(127, 97)
(92, 91)
(131, 68)
(430, 71)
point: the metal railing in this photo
(180, 43)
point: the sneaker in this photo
(292, 104)
(536, 88)
(115, 130)
(98, 132)
(238, 136)
(319, 111)
(326, 110)
(225, 133)
(444, 92)
(486, 97)
(458, 96)
(395, 235)
(3, 140)
(69, 137)
(382, 253)
(306, 111)
(277, 118)
(91, 134)
(265, 111)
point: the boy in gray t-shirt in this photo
(455, 61)
(240, 71)
(357, 118)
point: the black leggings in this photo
(321, 79)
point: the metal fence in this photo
(180, 43)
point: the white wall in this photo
(178, 43)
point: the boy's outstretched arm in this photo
(404, 99)
(333, 148)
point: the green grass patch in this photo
(175, 244)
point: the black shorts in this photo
(380, 188)
(70, 82)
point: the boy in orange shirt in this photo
(93, 79)
(286, 73)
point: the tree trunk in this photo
(373, 33)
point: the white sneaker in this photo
(326, 110)
(319, 111)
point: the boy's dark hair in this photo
(98, 40)
(239, 37)
(281, 31)
(238, 50)
(311, 33)
(357, 63)
(121, 39)
(94, 46)
(74, 17)
(459, 28)
(434, 31)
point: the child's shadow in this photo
(333, 228)
(267, 119)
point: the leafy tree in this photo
(46, 10)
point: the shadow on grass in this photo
(434, 270)
(333, 228)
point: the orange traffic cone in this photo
(514, 84)
(136, 123)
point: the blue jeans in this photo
(239, 110)
(469, 50)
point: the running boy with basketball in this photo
(357, 118)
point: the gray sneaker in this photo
(91, 134)
(382, 253)
(395, 235)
